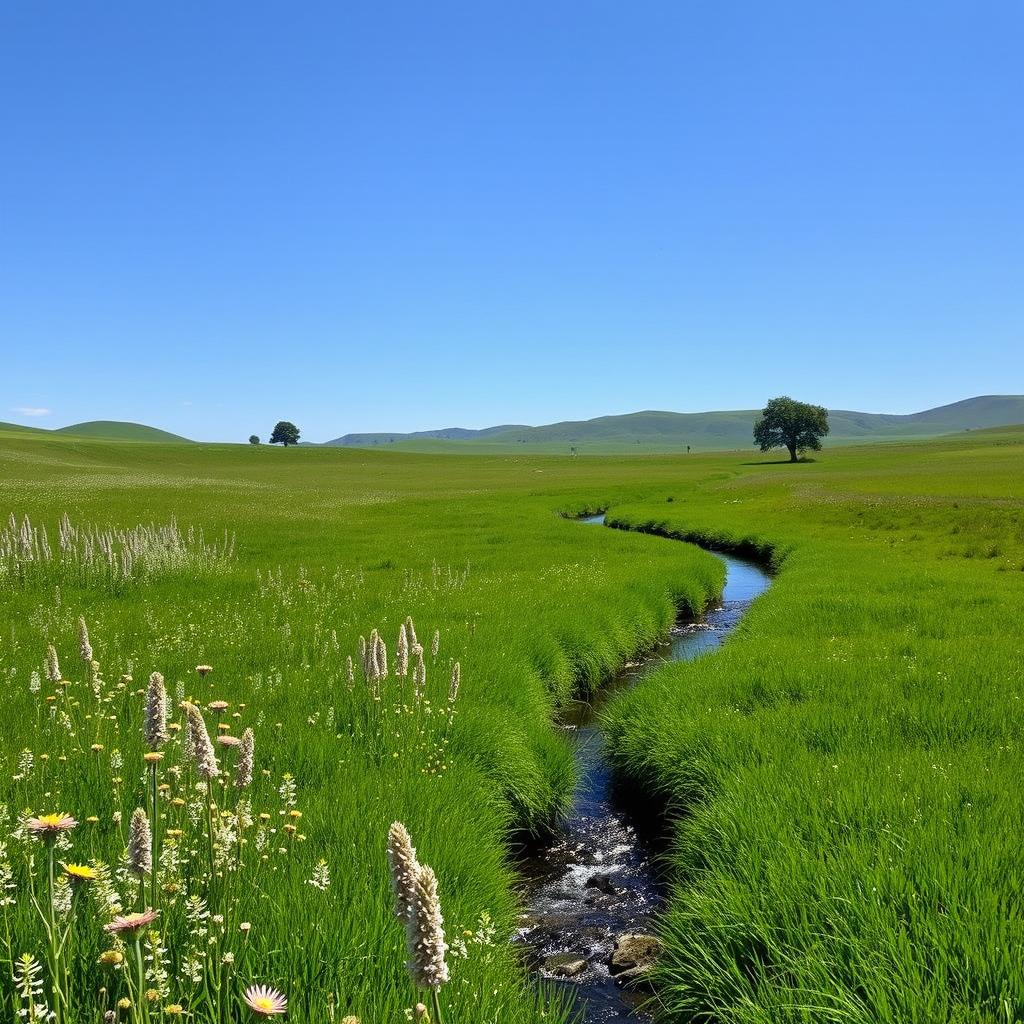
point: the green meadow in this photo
(843, 776)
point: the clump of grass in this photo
(89, 556)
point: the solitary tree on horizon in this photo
(796, 426)
(254, 439)
(285, 433)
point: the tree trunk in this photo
(792, 452)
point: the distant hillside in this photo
(673, 431)
(112, 430)
(445, 434)
(18, 428)
(115, 430)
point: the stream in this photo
(597, 877)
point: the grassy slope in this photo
(847, 768)
(330, 544)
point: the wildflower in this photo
(218, 705)
(174, 1009)
(124, 1003)
(453, 687)
(153, 756)
(435, 644)
(410, 629)
(265, 1001)
(404, 868)
(321, 876)
(152, 995)
(419, 673)
(80, 874)
(52, 665)
(131, 924)
(245, 927)
(246, 757)
(48, 826)
(229, 741)
(350, 673)
(381, 657)
(203, 752)
(139, 856)
(420, 1011)
(204, 670)
(84, 647)
(110, 958)
(402, 653)
(425, 933)
(96, 748)
(155, 729)
(351, 1020)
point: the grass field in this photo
(845, 770)
(327, 545)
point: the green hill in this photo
(673, 431)
(18, 428)
(116, 430)
(108, 430)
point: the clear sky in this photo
(396, 216)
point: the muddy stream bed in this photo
(596, 879)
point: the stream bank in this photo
(596, 879)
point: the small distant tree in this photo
(796, 426)
(253, 439)
(285, 433)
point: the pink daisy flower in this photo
(265, 1001)
(129, 924)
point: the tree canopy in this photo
(796, 426)
(254, 439)
(285, 433)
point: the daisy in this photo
(265, 1001)
(131, 924)
(49, 826)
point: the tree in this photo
(797, 426)
(285, 433)
(253, 439)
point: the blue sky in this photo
(404, 215)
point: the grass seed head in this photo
(402, 653)
(404, 869)
(246, 760)
(139, 855)
(52, 665)
(84, 647)
(155, 728)
(202, 749)
(425, 933)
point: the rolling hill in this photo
(673, 431)
(108, 430)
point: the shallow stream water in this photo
(597, 877)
